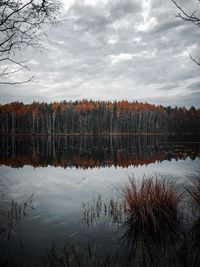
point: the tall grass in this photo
(113, 209)
(11, 216)
(152, 230)
(152, 200)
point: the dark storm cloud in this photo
(132, 49)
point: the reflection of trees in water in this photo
(94, 151)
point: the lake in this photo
(59, 190)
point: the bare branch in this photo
(15, 11)
(193, 18)
(187, 17)
(4, 73)
(196, 59)
(21, 26)
(21, 63)
(31, 79)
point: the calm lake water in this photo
(54, 181)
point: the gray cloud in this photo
(135, 50)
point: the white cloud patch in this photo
(121, 57)
(126, 56)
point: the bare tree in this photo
(22, 24)
(193, 17)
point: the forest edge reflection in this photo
(95, 151)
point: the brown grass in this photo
(152, 229)
(152, 202)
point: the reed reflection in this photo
(195, 227)
(12, 214)
(12, 248)
(195, 240)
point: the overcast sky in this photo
(112, 50)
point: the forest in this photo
(96, 117)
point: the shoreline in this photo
(102, 134)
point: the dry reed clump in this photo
(152, 202)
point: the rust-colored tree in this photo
(96, 117)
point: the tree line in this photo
(96, 117)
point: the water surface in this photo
(61, 173)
